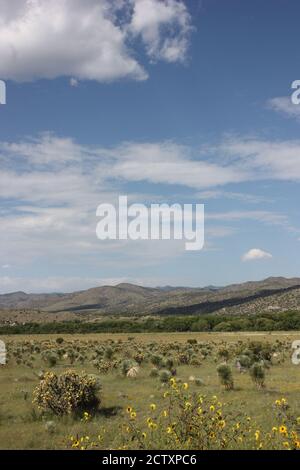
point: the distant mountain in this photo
(274, 293)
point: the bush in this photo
(154, 372)
(164, 375)
(225, 376)
(67, 393)
(257, 373)
(126, 365)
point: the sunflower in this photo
(283, 430)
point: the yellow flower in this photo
(129, 409)
(286, 445)
(133, 414)
(188, 405)
(152, 425)
(169, 430)
(144, 435)
(257, 435)
(75, 444)
(153, 406)
(199, 410)
(283, 430)
(185, 386)
(165, 413)
(166, 394)
(212, 408)
(222, 424)
(274, 429)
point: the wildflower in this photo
(222, 424)
(144, 435)
(286, 445)
(212, 408)
(129, 409)
(188, 405)
(165, 413)
(185, 386)
(257, 435)
(166, 394)
(153, 406)
(152, 425)
(274, 429)
(169, 430)
(133, 415)
(283, 430)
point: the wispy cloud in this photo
(284, 105)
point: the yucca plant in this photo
(225, 376)
(258, 375)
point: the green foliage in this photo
(257, 373)
(67, 393)
(225, 376)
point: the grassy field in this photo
(195, 356)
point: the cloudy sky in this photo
(165, 101)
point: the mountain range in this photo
(271, 294)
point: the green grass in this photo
(23, 427)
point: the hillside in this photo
(272, 294)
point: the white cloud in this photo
(262, 159)
(74, 82)
(56, 284)
(152, 19)
(284, 105)
(256, 254)
(89, 39)
(50, 188)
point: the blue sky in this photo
(166, 101)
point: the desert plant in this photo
(225, 376)
(67, 393)
(257, 373)
(164, 375)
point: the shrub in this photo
(225, 376)
(154, 372)
(126, 365)
(257, 373)
(67, 393)
(199, 382)
(164, 375)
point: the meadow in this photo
(162, 390)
